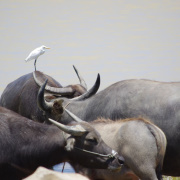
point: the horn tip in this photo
(74, 68)
(98, 77)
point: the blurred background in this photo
(120, 39)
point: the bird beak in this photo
(47, 47)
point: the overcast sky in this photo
(118, 39)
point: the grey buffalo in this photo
(140, 142)
(21, 94)
(26, 144)
(157, 101)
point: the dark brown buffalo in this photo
(21, 94)
(25, 145)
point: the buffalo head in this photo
(82, 140)
(53, 107)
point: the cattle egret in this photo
(36, 53)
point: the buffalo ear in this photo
(58, 106)
(70, 144)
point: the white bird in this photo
(36, 53)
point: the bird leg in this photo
(35, 64)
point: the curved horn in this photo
(48, 105)
(90, 92)
(82, 81)
(55, 90)
(74, 117)
(42, 104)
(76, 130)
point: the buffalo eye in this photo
(92, 140)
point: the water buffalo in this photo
(157, 101)
(21, 94)
(26, 144)
(141, 143)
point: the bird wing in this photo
(33, 55)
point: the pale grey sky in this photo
(120, 39)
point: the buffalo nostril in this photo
(121, 160)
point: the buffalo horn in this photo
(55, 90)
(76, 130)
(42, 104)
(74, 117)
(81, 80)
(48, 105)
(90, 92)
(61, 90)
